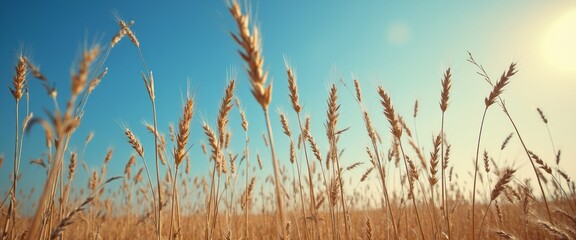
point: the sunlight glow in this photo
(559, 43)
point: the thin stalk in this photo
(151, 188)
(159, 217)
(178, 228)
(46, 193)
(384, 188)
(301, 196)
(51, 207)
(433, 213)
(311, 187)
(378, 164)
(444, 190)
(247, 207)
(344, 210)
(52, 175)
(276, 174)
(416, 132)
(551, 141)
(531, 161)
(330, 208)
(20, 153)
(150, 87)
(61, 183)
(217, 199)
(210, 197)
(483, 218)
(410, 183)
(174, 200)
(476, 172)
(294, 215)
(11, 207)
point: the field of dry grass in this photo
(309, 199)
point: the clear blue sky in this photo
(404, 47)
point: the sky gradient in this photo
(403, 47)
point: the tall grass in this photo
(412, 199)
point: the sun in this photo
(559, 43)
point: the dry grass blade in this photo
(356, 164)
(40, 162)
(552, 229)
(35, 70)
(49, 134)
(112, 179)
(503, 234)
(68, 219)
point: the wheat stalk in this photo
(496, 191)
(250, 42)
(18, 82)
(444, 96)
(373, 135)
(179, 153)
(183, 132)
(64, 126)
(498, 87)
(396, 130)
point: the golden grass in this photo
(316, 203)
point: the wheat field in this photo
(396, 188)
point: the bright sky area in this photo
(404, 47)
